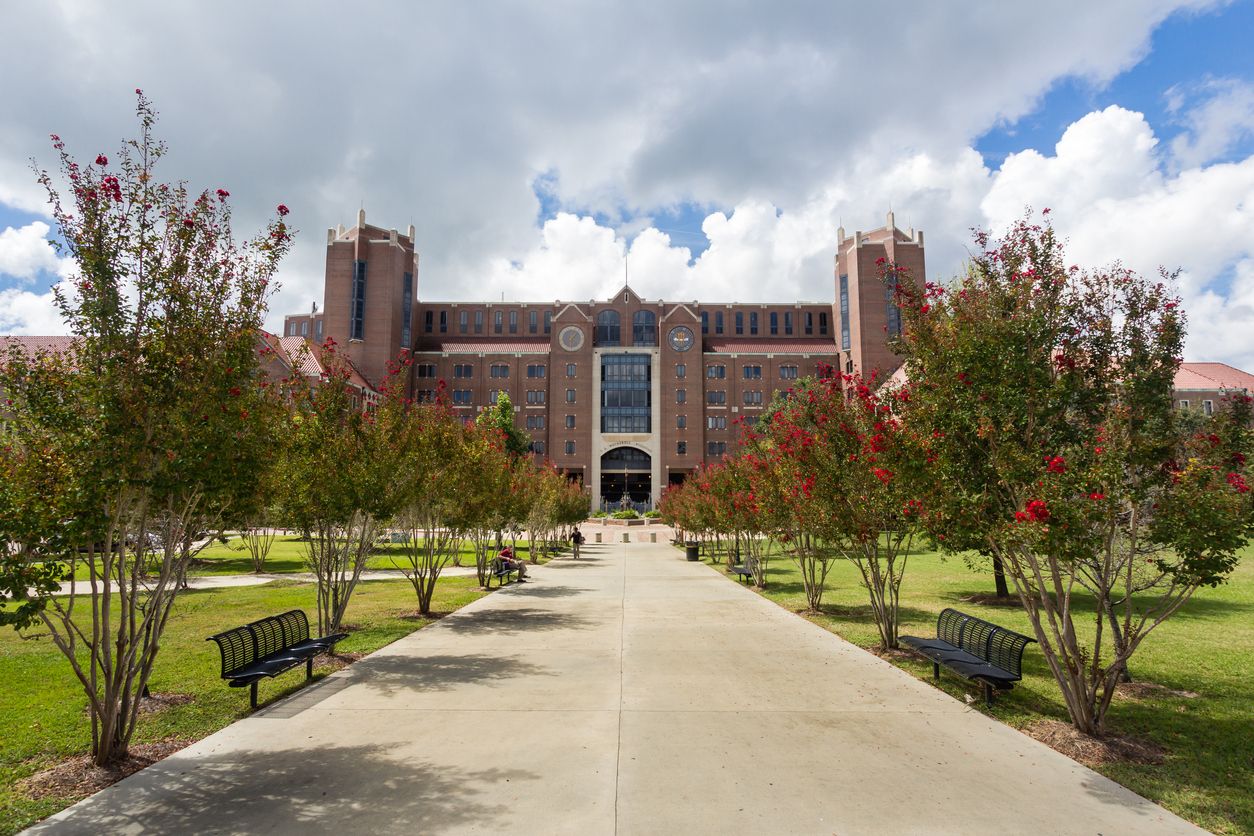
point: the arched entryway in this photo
(626, 477)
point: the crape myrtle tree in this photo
(1043, 394)
(430, 443)
(118, 453)
(484, 493)
(340, 481)
(845, 473)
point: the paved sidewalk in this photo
(224, 581)
(627, 692)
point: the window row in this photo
(773, 318)
(536, 322)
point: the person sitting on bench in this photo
(509, 562)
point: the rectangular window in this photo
(570, 448)
(463, 322)
(535, 396)
(498, 370)
(1208, 407)
(537, 447)
(304, 328)
(823, 323)
(844, 313)
(740, 323)
(443, 322)
(788, 323)
(1184, 404)
(570, 396)
(461, 370)
(570, 422)
(681, 422)
(716, 422)
(788, 372)
(774, 323)
(478, 322)
(753, 323)
(892, 312)
(407, 308)
(809, 323)
(716, 372)
(681, 448)
(753, 398)
(716, 448)
(570, 369)
(535, 370)
(716, 397)
(535, 422)
(533, 322)
(498, 322)
(705, 322)
(681, 370)
(428, 322)
(753, 372)
(681, 396)
(319, 329)
(718, 322)
(548, 321)
(357, 315)
(513, 322)
(425, 370)
(463, 397)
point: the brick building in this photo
(626, 394)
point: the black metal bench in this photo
(974, 649)
(268, 647)
(500, 571)
(744, 571)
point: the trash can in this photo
(598, 536)
(652, 536)
(626, 537)
(694, 550)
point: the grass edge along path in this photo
(1195, 672)
(43, 717)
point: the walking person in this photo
(576, 540)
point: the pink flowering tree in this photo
(117, 453)
(847, 474)
(1042, 396)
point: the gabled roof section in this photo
(1212, 376)
(632, 296)
(569, 307)
(680, 306)
(34, 345)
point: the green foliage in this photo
(500, 418)
(1040, 395)
(626, 514)
(150, 429)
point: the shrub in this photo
(626, 514)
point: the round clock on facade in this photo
(681, 338)
(571, 338)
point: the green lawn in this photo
(42, 707)
(1207, 648)
(287, 555)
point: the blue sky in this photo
(537, 146)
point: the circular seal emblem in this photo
(681, 338)
(571, 338)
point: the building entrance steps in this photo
(630, 691)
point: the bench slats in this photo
(269, 646)
(975, 649)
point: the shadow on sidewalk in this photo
(319, 789)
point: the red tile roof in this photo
(484, 347)
(33, 345)
(1212, 376)
(774, 347)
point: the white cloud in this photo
(1223, 117)
(26, 252)
(24, 312)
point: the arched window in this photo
(644, 328)
(609, 330)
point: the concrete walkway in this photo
(224, 581)
(627, 692)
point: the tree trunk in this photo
(999, 578)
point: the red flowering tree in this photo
(846, 473)
(1043, 393)
(118, 453)
(340, 481)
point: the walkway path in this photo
(627, 692)
(223, 581)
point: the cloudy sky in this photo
(710, 149)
